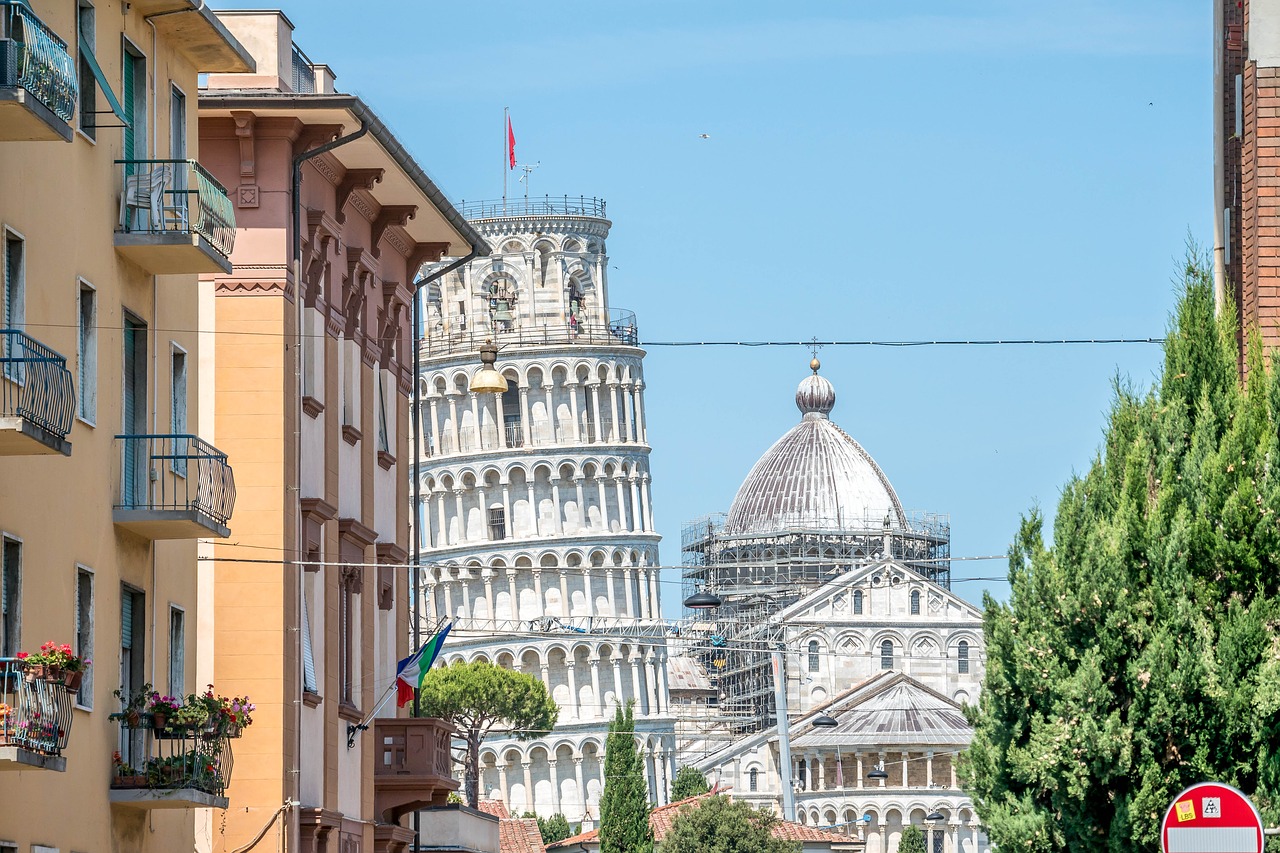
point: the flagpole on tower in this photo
(506, 153)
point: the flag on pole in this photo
(511, 145)
(413, 669)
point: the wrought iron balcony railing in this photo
(32, 57)
(175, 474)
(304, 76)
(566, 205)
(620, 330)
(164, 197)
(35, 713)
(35, 384)
(171, 767)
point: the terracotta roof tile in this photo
(497, 808)
(519, 835)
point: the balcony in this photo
(414, 767)
(37, 79)
(37, 400)
(174, 487)
(454, 335)
(35, 719)
(175, 218)
(546, 206)
(170, 768)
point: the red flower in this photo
(23, 655)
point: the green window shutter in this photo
(126, 620)
(129, 104)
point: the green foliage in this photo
(721, 825)
(911, 840)
(478, 696)
(554, 828)
(689, 782)
(1138, 654)
(624, 803)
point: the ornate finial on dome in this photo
(815, 397)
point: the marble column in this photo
(598, 697)
(626, 414)
(506, 510)
(541, 609)
(511, 591)
(434, 435)
(524, 416)
(487, 574)
(582, 788)
(859, 757)
(528, 785)
(586, 587)
(582, 505)
(555, 501)
(610, 596)
(636, 692)
(502, 784)
(643, 436)
(442, 529)
(595, 411)
(551, 413)
(928, 769)
(475, 417)
(454, 427)
(572, 388)
(623, 515)
(905, 758)
(628, 597)
(644, 504)
(461, 514)
(566, 610)
(615, 435)
(571, 667)
(604, 501)
(615, 660)
(555, 785)
(501, 419)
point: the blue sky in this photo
(966, 170)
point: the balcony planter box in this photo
(71, 680)
(134, 781)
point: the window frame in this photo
(962, 657)
(915, 602)
(858, 601)
(180, 660)
(179, 404)
(86, 119)
(86, 369)
(10, 626)
(815, 650)
(84, 696)
(886, 659)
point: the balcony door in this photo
(178, 151)
(133, 487)
(133, 671)
(134, 79)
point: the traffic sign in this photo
(1211, 818)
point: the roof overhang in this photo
(403, 182)
(195, 30)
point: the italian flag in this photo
(413, 670)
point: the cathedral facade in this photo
(536, 518)
(826, 595)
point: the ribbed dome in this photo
(814, 477)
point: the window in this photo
(84, 633)
(814, 662)
(14, 300)
(88, 117)
(753, 783)
(133, 664)
(384, 440)
(178, 409)
(857, 602)
(134, 412)
(937, 845)
(497, 523)
(915, 602)
(347, 589)
(134, 88)
(309, 683)
(87, 354)
(177, 652)
(886, 654)
(962, 657)
(11, 599)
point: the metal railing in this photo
(35, 384)
(32, 57)
(302, 74)
(35, 713)
(197, 478)
(175, 196)
(548, 205)
(620, 330)
(172, 758)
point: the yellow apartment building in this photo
(109, 480)
(311, 375)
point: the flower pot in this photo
(52, 673)
(133, 781)
(72, 679)
(234, 730)
(159, 720)
(35, 672)
(133, 718)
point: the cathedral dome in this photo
(814, 477)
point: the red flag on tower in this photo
(511, 145)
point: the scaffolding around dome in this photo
(758, 575)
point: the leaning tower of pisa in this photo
(535, 519)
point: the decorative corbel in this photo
(315, 135)
(391, 214)
(354, 179)
(424, 253)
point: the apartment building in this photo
(310, 379)
(109, 481)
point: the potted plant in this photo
(32, 666)
(193, 714)
(61, 663)
(6, 724)
(134, 704)
(237, 714)
(125, 775)
(162, 708)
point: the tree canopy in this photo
(911, 840)
(478, 696)
(624, 803)
(554, 828)
(720, 825)
(689, 782)
(1138, 654)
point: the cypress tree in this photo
(1138, 653)
(624, 803)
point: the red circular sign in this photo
(1211, 818)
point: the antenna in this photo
(524, 179)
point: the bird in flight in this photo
(704, 136)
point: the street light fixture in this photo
(934, 817)
(825, 721)
(877, 772)
(703, 601)
(488, 379)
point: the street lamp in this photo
(488, 379)
(934, 817)
(877, 772)
(703, 601)
(825, 721)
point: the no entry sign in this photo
(1211, 818)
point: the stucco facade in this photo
(107, 456)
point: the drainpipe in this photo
(1219, 166)
(300, 553)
